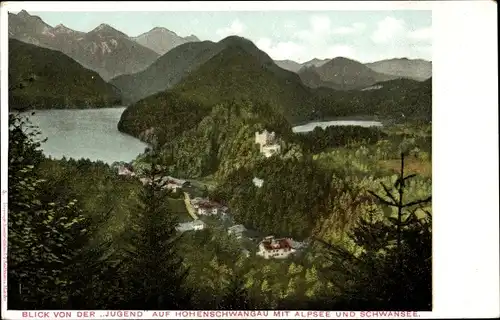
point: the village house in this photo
(167, 182)
(205, 207)
(192, 225)
(237, 230)
(195, 202)
(173, 187)
(174, 184)
(268, 143)
(209, 208)
(180, 182)
(270, 247)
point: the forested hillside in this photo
(41, 78)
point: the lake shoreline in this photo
(310, 126)
(85, 133)
(17, 111)
(345, 118)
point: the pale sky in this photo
(365, 36)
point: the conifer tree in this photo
(46, 239)
(237, 296)
(154, 269)
(394, 270)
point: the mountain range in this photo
(342, 74)
(295, 66)
(203, 72)
(104, 49)
(112, 53)
(416, 69)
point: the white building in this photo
(271, 248)
(192, 225)
(195, 202)
(180, 182)
(258, 182)
(267, 142)
(208, 208)
(237, 230)
(265, 137)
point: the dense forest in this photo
(397, 100)
(81, 237)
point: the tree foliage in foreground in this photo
(47, 240)
(52, 266)
(394, 269)
(155, 270)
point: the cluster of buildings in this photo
(170, 183)
(268, 143)
(268, 248)
(206, 207)
(175, 184)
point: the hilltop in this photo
(41, 78)
(238, 72)
(219, 106)
(162, 40)
(416, 69)
(165, 72)
(341, 73)
(288, 65)
(231, 68)
(241, 71)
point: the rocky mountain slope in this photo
(162, 40)
(104, 49)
